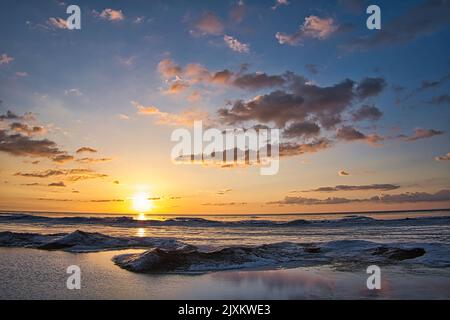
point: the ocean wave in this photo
(79, 241)
(163, 255)
(129, 222)
(343, 254)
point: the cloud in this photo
(12, 116)
(255, 81)
(427, 85)
(442, 195)
(68, 174)
(77, 200)
(34, 184)
(422, 20)
(370, 87)
(5, 59)
(93, 160)
(63, 158)
(443, 158)
(41, 174)
(300, 107)
(110, 15)
(302, 129)
(18, 140)
(290, 149)
(224, 191)
(313, 27)
(442, 99)
(9, 116)
(367, 112)
(420, 133)
(408, 197)
(343, 173)
(279, 3)
(237, 12)
(57, 184)
(19, 145)
(73, 92)
(123, 116)
(381, 187)
(21, 74)
(86, 149)
(347, 133)
(195, 73)
(235, 45)
(58, 23)
(221, 77)
(177, 87)
(26, 129)
(223, 204)
(169, 69)
(325, 104)
(185, 118)
(209, 24)
(139, 20)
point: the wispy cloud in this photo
(380, 187)
(209, 24)
(313, 27)
(68, 174)
(235, 45)
(57, 184)
(73, 92)
(86, 149)
(5, 59)
(58, 23)
(224, 204)
(110, 15)
(347, 133)
(185, 118)
(420, 133)
(367, 112)
(443, 158)
(93, 160)
(408, 197)
(279, 3)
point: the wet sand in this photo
(38, 274)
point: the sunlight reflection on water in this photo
(141, 232)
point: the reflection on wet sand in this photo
(277, 283)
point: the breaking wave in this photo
(79, 241)
(129, 222)
(344, 254)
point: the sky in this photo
(86, 116)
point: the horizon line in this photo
(231, 214)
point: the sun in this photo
(141, 202)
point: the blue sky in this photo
(84, 87)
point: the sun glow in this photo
(141, 202)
